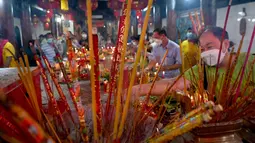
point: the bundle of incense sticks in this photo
(190, 121)
(52, 99)
(27, 79)
(79, 110)
(54, 79)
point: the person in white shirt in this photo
(172, 64)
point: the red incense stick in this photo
(244, 66)
(221, 44)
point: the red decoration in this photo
(49, 4)
(139, 14)
(114, 4)
(82, 4)
(116, 13)
(136, 4)
(99, 23)
(139, 4)
(49, 13)
(97, 84)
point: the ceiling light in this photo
(238, 19)
(58, 19)
(241, 13)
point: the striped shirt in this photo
(49, 52)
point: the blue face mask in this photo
(50, 40)
(190, 36)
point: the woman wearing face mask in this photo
(209, 42)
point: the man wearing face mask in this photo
(190, 50)
(84, 39)
(209, 42)
(48, 48)
(172, 62)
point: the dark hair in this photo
(70, 32)
(216, 31)
(31, 41)
(157, 30)
(48, 34)
(42, 36)
(137, 38)
(163, 32)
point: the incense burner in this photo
(224, 132)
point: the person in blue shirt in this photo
(172, 64)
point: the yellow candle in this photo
(120, 85)
(141, 42)
(92, 78)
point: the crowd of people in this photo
(46, 44)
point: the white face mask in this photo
(84, 36)
(151, 41)
(158, 41)
(134, 43)
(211, 57)
(154, 44)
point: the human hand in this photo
(179, 85)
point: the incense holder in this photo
(224, 132)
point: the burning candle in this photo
(163, 74)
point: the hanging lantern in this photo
(139, 4)
(49, 13)
(64, 5)
(136, 4)
(82, 4)
(114, 4)
(49, 4)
